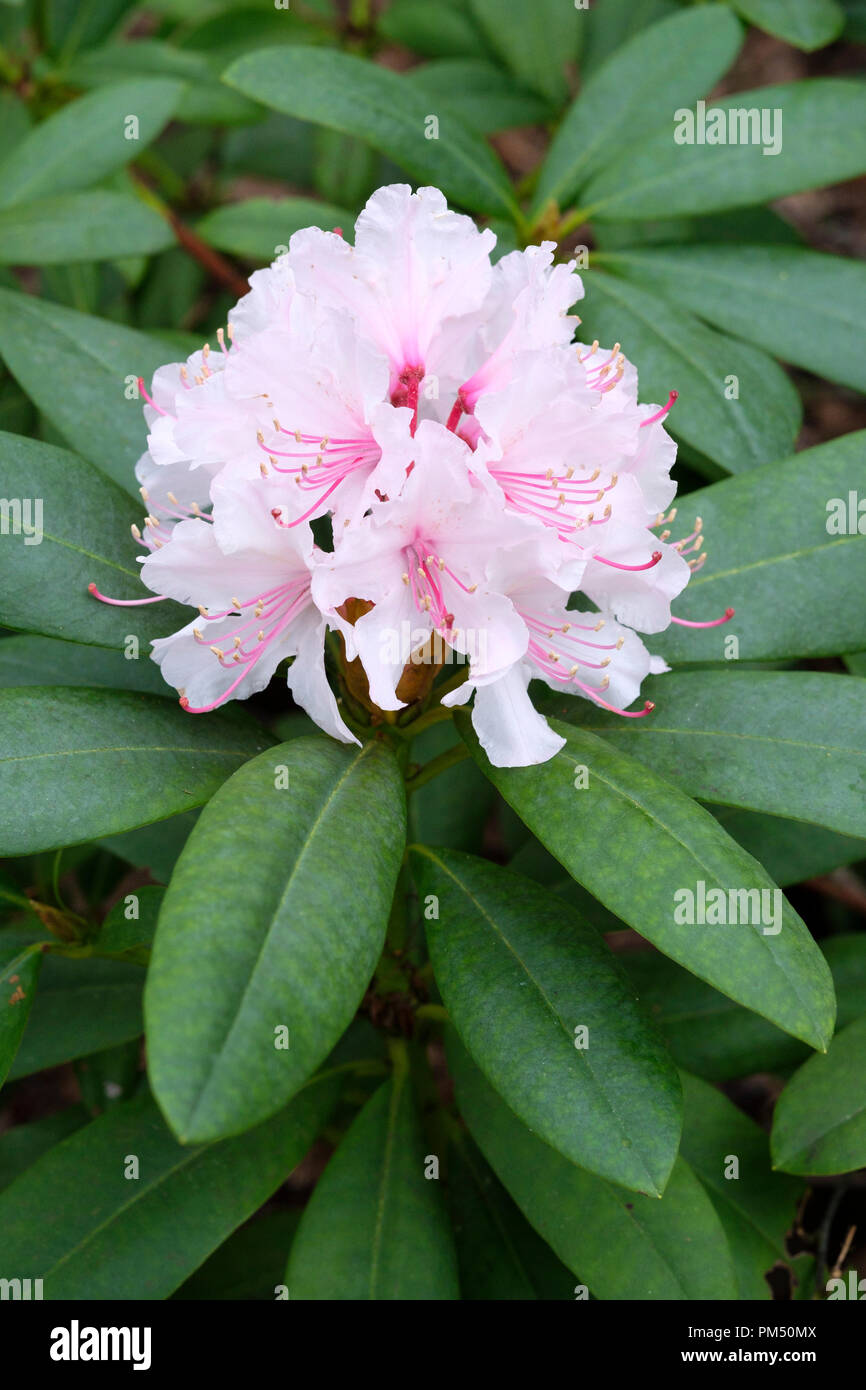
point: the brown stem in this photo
(214, 263)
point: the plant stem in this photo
(441, 763)
(436, 1012)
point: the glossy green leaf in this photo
(712, 1036)
(521, 976)
(81, 1007)
(80, 227)
(499, 1255)
(619, 1243)
(756, 1206)
(629, 816)
(87, 140)
(483, 96)
(130, 926)
(455, 806)
(673, 350)
(344, 93)
(314, 832)
(763, 294)
(808, 24)
(251, 1265)
(773, 559)
(791, 851)
(19, 973)
(258, 226)
(823, 141)
(83, 519)
(78, 764)
(27, 660)
(375, 1226)
(792, 743)
(78, 370)
(537, 39)
(153, 847)
(140, 1237)
(21, 1145)
(819, 1124)
(662, 67)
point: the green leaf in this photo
(130, 926)
(823, 131)
(855, 20)
(773, 559)
(483, 96)
(808, 24)
(299, 928)
(257, 226)
(432, 27)
(673, 350)
(613, 24)
(455, 806)
(87, 140)
(18, 977)
(154, 847)
(84, 523)
(749, 291)
(68, 24)
(250, 1265)
(718, 1039)
(789, 850)
(499, 1254)
(47, 661)
(81, 1007)
(537, 39)
(80, 227)
(77, 370)
(21, 1145)
(521, 974)
(668, 65)
(805, 730)
(819, 1124)
(203, 97)
(345, 93)
(621, 1244)
(628, 816)
(746, 226)
(756, 1207)
(375, 1226)
(125, 1238)
(78, 764)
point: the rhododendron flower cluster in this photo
(493, 485)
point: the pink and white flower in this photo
(476, 464)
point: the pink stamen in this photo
(672, 398)
(147, 396)
(715, 622)
(124, 602)
(614, 564)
